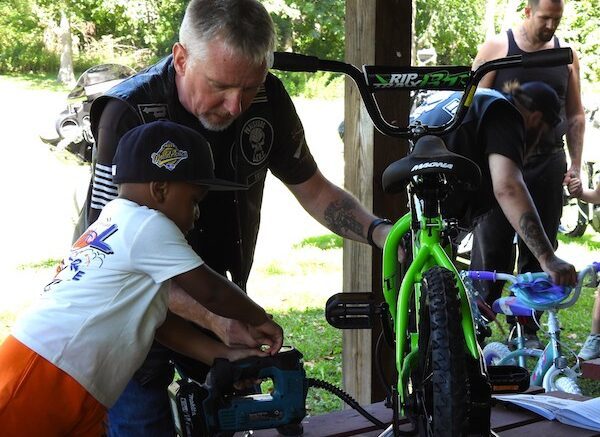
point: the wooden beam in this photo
(377, 32)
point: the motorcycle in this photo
(72, 125)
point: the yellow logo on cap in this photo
(168, 156)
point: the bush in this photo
(312, 85)
(26, 58)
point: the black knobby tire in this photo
(441, 381)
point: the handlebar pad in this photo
(295, 62)
(482, 275)
(548, 58)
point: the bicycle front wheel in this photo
(440, 383)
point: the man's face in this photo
(543, 19)
(219, 88)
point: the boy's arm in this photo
(231, 332)
(226, 299)
(179, 335)
(591, 196)
(587, 195)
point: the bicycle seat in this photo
(430, 156)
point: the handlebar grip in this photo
(548, 58)
(295, 62)
(482, 275)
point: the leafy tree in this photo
(454, 28)
(22, 45)
(581, 28)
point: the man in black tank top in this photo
(545, 168)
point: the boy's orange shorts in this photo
(39, 399)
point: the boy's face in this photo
(181, 204)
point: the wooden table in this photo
(506, 420)
(591, 369)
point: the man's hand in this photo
(561, 272)
(234, 333)
(571, 174)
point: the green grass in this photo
(321, 346)
(323, 242)
(44, 264)
(588, 240)
(39, 81)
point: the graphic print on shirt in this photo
(89, 250)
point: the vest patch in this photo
(256, 140)
(154, 111)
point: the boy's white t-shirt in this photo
(96, 320)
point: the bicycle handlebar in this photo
(591, 269)
(377, 78)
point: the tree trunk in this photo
(65, 74)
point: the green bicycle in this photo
(443, 387)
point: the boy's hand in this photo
(575, 187)
(268, 334)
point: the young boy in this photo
(71, 355)
(591, 347)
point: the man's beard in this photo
(215, 127)
(545, 36)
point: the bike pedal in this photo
(351, 310)
(508, 379)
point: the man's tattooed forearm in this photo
(341, 220)
(533, 233)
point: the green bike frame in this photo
(427, 252)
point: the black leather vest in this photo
(225, 235)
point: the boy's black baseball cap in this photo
(543, 99)
(166, 151)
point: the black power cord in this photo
(318, 383)
(312, 382)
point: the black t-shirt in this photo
(492, 125)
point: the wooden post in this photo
(377, 32)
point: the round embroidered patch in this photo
(256, 140)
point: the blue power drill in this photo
(215, 408)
